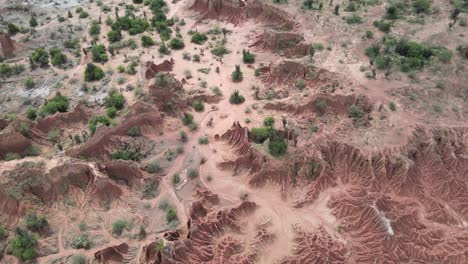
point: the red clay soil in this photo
(7, 45)
(210, 240)
(141, 115)
(114, 254)
(285, 72)
(13, 142)
(169, 98)
(396, 206)
(10, 209)
(122, 171)
(69, 120)
(152, 69)
(289, 44)
(248, 157)
(236, 12)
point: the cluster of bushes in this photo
(219, 50)
(113, 102)
(171, 212)
(59, 103)
(127, 153)
(6, 70)
(99, 53)
(277, 145)
(132, 25)
(118, 227)
(96, 121)
(35, 222)
(159, 19)
(409, 55)
(58, 58)
(22, 245)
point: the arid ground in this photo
(219, 131)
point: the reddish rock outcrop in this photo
(285, 72)
(237, 12)
(152, 69)
(141, 115)
(209, 239)
(114, 254)
(10, 209)
(13, 142)
(75, 118)
(169, 95)
(288, 44)
(124, 171)
(7, 45)
(249, 158)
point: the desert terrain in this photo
(219, 131)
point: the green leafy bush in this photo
(383, 25)
(29, 82)
(220, 50)
(81, 241)
(99, 53)
(269, 121)
(58, 103)
(99, 120)
(237, 75)
(198, 106)
(236, 98)
(147, 41)
(277, 146)
(134, 132)
(93, 73)
(114, 99)
(94, 29)
(118, 227)
(114, 36)
(40, 56)
(22, 245)
(198, 38)
(248, 57)
(260, 134)
(58, 58)
(31, 113)
(355, 112)
(176, 43)
(353, 19)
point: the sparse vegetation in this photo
(198, 38)
(58, 103)
(22, 245)
(236, 98)
(118, 227)
(93, 73)
(237, 75)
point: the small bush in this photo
(134, 132)
(187, 119)
(114, 99)
(300, 84)
(58, 103)
(58, 58)
(40, 56)
(93, 73)
(198, 38)
(203, 140)
(193, 173)
(248, 57)
(217, 91)
(220, 51)
(277, 146)
(175, 179)
(354, 19)
(118, 227)
(171, 215)
(237, 75)
(422, 6)
(260, 134)
(99, 53)
(321, 105)
(81, 241)
(176, 43)
(29, 82)
(11, 156)
(94, 29)
(392, 106)
(383, 26)
(236, 98)
(113, 36)
(78, 259)
(355, 112)
(22, 245)
(198, 106)
(269, 121)
(146, 41)
(154, 167)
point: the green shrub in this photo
(129, 153)
(248, 57)
(83, 14)
(260, 134)
(198, 38)
(176, 43)
(269, 121)
(118, 227)
(12, 29)
(198, 106)
(237, 75)
(300, 84)
(34, 222)
(277, 146)
(187, 119)
(183, 136)
(114, 99)
(93, 73)
(28, 82)
(5, 70)
(236, 98)
(353, 19)
(171, 214)
(203, 140)
(134, 132)
(31, 113)
(175, 179)
(53, 136)
(22, 245)
(78, 259)
(11, 156)
(58, 103)
(40, 56)
(321, 105)
(94, 29)
(81, 241)
(392, 106)
(147, 41)
(99, 53)
(58, 58)
(422, 6)
(162, 80)
(355, 112)
(219, 50)
(217, 91)
(154, 167)
(114, 36)
(99, 120)
(111, 112)
(193, 173)
(383, 25)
